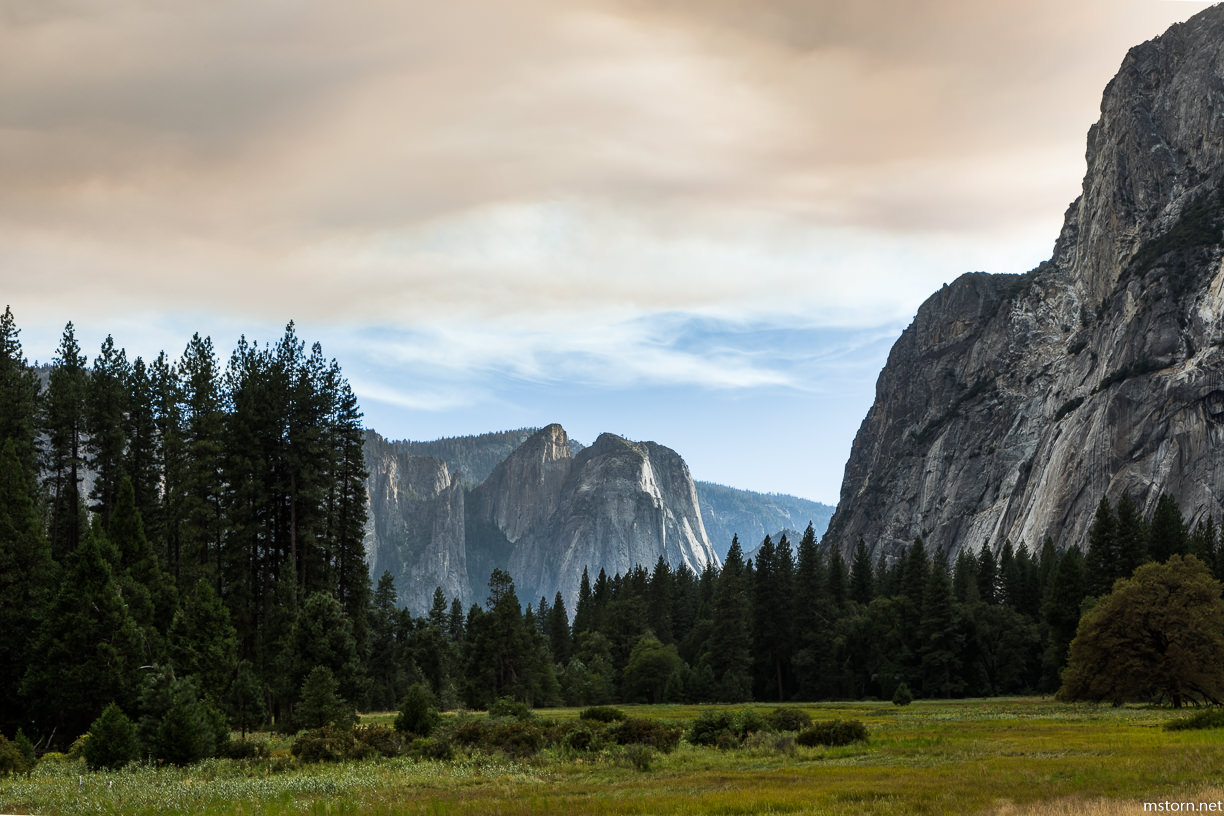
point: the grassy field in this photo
(1008, 757)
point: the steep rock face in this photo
(1013, 403)
(415, 528)
(623, 504)
(542, 514)
(522, 492)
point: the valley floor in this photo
(998, 756)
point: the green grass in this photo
(972, 756)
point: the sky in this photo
(698, 222)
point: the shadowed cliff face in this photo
(1013, 403)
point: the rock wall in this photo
(1013, 403)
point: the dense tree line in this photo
(791, 624)
(186, 525)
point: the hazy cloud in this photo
(540, 164)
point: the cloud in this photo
(385, 162)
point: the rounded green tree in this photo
(112, 740)
(1158, 636)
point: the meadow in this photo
(998, 756)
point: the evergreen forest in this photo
(181, 541)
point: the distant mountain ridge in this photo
(729, 511)
(445, 513)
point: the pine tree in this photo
(772, 597)
(659, 602)
(1061, 612)
(322, 636)
(1168, 534)
(862, 588)
(730, 638)
(203, 642)
(87, 649)
(27, 581)
(140, 459)
(987, 576)
(19, 399)
(584, 612)
(106, 406)
(63, 425)
(202, 520)
(1132, 537)
(1103, 558)
(247, 709)
(813, 619)
(940, 644)
(558, 627)
(149, 592)
(320, 701)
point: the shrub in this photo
(713, 728)
(640, 757)
(245, 749)
(902, 696)
(788, 719)
(652, 733)
(516, 738)
(11, 760)
(833, 733)
(506, 707)
(749, 722)
(725, 729)
(331, 743)
(383, 740)
(1211, 718)
(579, 739)
(469, 731)
(418, 713)
(603, 714)
(26, 748)
(111, 742)
(430, 748)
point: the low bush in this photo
(651, 733)
(331, 743)
(603, 714)
(749, 722)
(902, 696)
(26, 748)
(11, 760)
(383, 740)
(1211, 718)
(715, 728)
(833, 733)
(579, 739)
(788, 719)
(515, 738)
(246, 749)
(641, 757)
(469, 731)
(506, 707)
(726, 729)
(430, 748)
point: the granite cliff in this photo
(1013, 403)
(543, 513)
